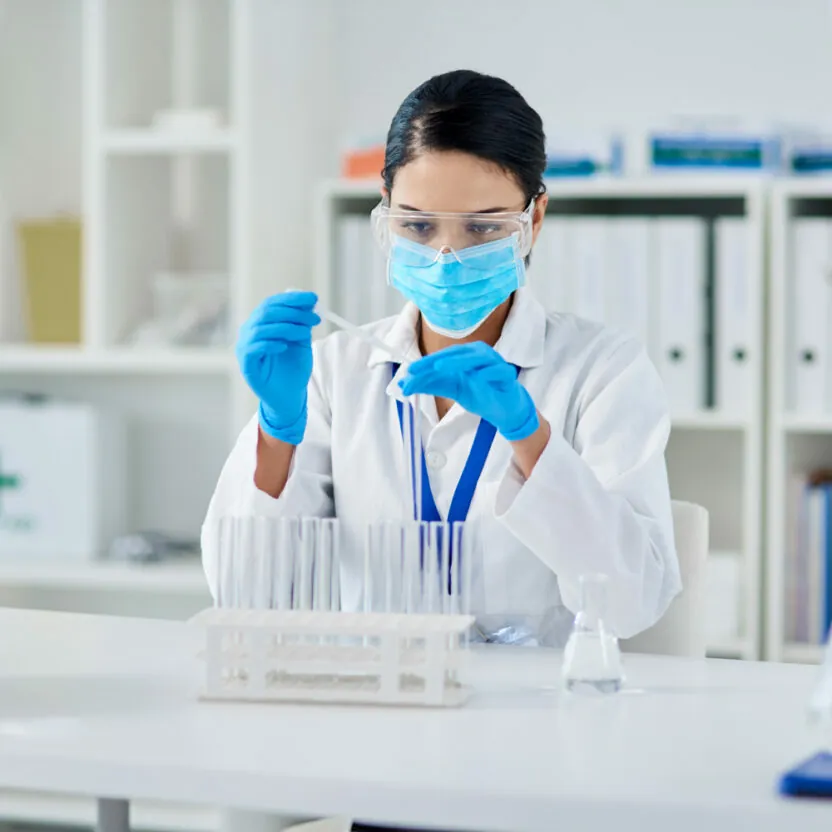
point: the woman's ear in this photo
(540, 204)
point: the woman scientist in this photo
(546, 430)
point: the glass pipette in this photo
(361, 333)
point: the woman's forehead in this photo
(451, 181)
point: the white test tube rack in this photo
(344, 657)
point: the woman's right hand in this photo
(274, 351)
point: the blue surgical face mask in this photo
(456, 291)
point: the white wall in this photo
(292, 124)
(592, 63)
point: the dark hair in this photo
(472, 113)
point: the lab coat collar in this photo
(402, 337)
(521, 342)
(523, 338)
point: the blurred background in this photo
(165, 164)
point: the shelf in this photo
(159, 142)
(696, 186)
(709, 420)
(174, 577)
(798, 187)
(685, 186)
(803, 653)
(797, 423)
(64, 811)
(732, 648)
(45, 359)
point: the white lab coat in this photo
(596, 501)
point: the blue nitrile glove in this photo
(480, 380)
(274, 350)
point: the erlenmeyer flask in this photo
(592, 658)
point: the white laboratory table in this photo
(108, 708)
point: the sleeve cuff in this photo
(257, 502)
(515, 498)
(293, 501)
(531, 508)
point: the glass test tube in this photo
(407, 450)
(416, 463)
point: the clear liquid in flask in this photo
(592, 657)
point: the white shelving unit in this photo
(797, 441)
(152, 199)
(714, 457)
(183, 406)
(162, 198)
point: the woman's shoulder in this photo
(569, 335)
(590, 359)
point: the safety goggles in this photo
(450, 233)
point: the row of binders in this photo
(682, 285)
(808, 568)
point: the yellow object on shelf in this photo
(51, 261)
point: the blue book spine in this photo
(811, 162)
(571, 167)
(802, 626)
(827, 562)
(705, 151)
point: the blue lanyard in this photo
(464, 492)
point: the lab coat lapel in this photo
(523, 339)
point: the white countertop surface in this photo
(109, 707)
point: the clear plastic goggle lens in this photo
(479, 256)
(450, 232)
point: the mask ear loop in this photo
(519, 261)
(520, 266)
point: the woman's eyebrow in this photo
(498, 210)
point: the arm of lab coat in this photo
(604, 504)
(308, 491)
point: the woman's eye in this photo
(419, 229)
(483, 229)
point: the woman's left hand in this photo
(478, 378)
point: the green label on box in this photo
(9, 482)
